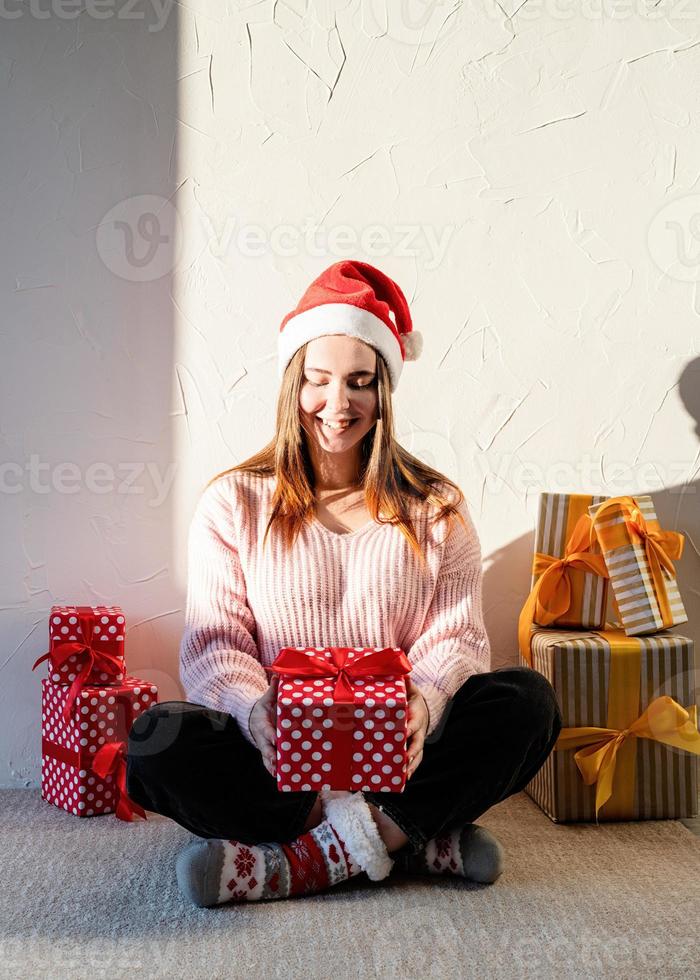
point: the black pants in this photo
(194, 765)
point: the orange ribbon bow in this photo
(664, 720)
(551, 594)
(660, 546)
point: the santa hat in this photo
(356, 299)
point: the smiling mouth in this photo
(341, 428)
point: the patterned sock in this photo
(470, 852)
(213, 871)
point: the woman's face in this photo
(340, 382)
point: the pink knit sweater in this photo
(363, 588)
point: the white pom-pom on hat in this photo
(412, 345)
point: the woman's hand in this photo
(418, 719)
(262, 725)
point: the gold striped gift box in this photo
(638, 555)
(629, 711)
(569, 582)
(557, 517)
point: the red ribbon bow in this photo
(111, 758)
(380, 663)
(388, 661)
(60, 652)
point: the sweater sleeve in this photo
(453, 643)
(220, 665)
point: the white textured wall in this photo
(170, 185)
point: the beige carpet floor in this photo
(98, 898)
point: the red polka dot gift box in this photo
(86, 646)
(342, 718)
(83, 768)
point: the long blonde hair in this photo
(389, 474)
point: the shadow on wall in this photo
(678, 509)
(90, 147)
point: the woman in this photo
(315, 542)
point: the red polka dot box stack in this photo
(88, 704)
(341, 718)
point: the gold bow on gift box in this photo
(664, 720)
(550, 596)
(660, 546)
